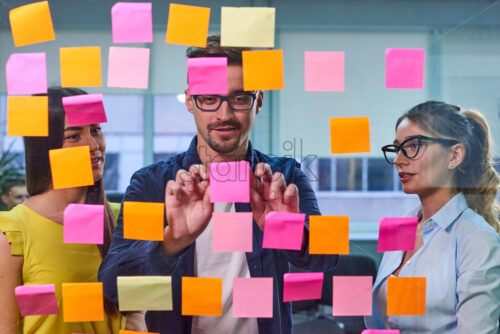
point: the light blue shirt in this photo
(460, 259)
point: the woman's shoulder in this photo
(11, 224)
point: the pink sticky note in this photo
(380, 331)
(84, 224)
(230, 182)
(253, 297)
(84, 109)
(284, 230)
(132, 22)
(324, 71)
(302, 286)
(36, 299)
(397, 233)
(128, 67)
(207, 75)
(232, 231)
(352, 295)
(26, 74)
(404, 68)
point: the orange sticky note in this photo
(71, 167)
(406, 295)
(31, 24)
(143, 220)
(123, 331)
(329, 234)
(262, 69)
(201, 296)
(82, 302)
(28, 116)
(81, 66)
(350, 134)
(188, 25)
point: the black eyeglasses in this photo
(237, 101)
(411, 146)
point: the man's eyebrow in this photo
(69, 128)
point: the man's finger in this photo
(291, 196)
(278, 186)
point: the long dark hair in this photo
(38, 173)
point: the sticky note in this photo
(262, 69)
(71, 167)
(132, 22)
(253, 297)
(84, 224)
(28, 116)
(207, 75)
(397, 233)
(350, 135)
(328, 235)
(380, 331)
(247, 26)
(124, 331)
(284, 230)
(230, 182)
(82, 302)
(128, 67)
(26, 74)
(141, 293)
(143, 220)
(80, 66)
(201, 296)
(36, 299)
(232, 231)
(188, 25)
(404, 68)
(352, 295)
(31, 24)
(84, 109)
(406, 295)
(302, 286)
(324, 71)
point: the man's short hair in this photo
(214, 49)
(10, 183)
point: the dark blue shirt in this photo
(128, 257)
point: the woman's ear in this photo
(457, 155)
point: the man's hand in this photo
(188, 208)
(269, 192)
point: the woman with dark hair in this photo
(32, 250)
(443, 155)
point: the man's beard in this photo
(223, 147)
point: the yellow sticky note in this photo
(28, 116)
(350, 135)
(80, 66)
(406, 295)
(31, 24)
(247, 26)
(71, 167)
(82, 302)
(187, 25)
(144, 293)
(143, 220)
(328, 234)
(201, 296)
(262, 69)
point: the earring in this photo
(451, 166)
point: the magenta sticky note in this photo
(230, 182)
(380, 331)
(397, 233)
(128, 67)
(404, 68)
(207, 75)
(284, 230)
(132, 22)
(302, 286)
(352, 295)
(253, 297)
(36, 299)
(84, 224)
(26, 73)
(84, 109)
(324, 71)
(232, 231)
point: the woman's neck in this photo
(435, 200)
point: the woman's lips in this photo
(95, 161)
(405, 177)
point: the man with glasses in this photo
(14, 192)
(223, 126)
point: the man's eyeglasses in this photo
(238, 101)
(411, 146)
